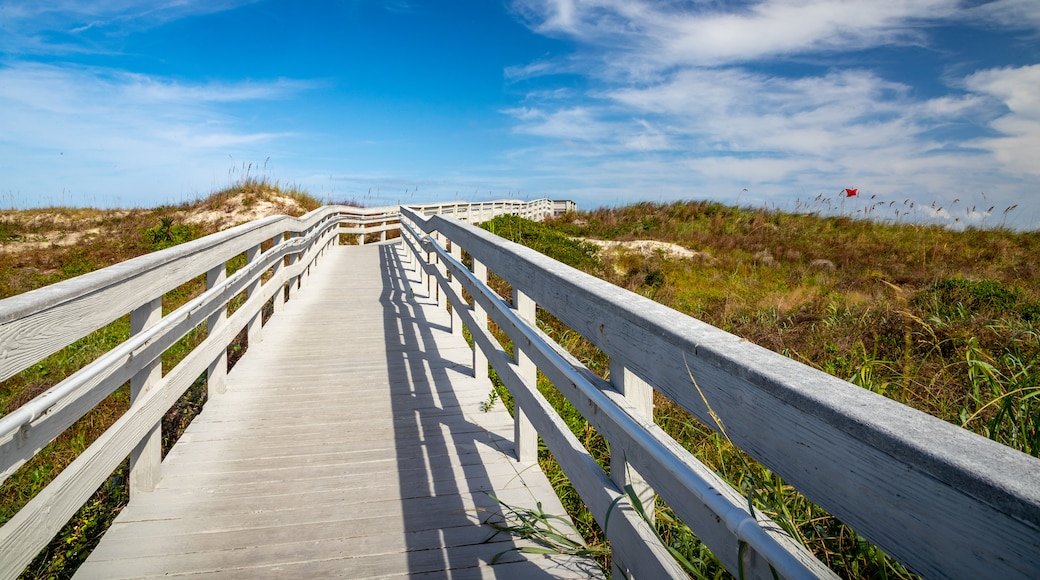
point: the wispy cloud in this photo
(77, 26)
(660, 35)
(99, 123)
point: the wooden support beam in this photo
(217, 372)
(480, 361)
(253, 328)
(145, 459)
(456, 322)
(526, 438)
(279, 296)
(641, 395)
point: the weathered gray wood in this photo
(216, 375)
(406, 457)
(88, 302)
(480, 363)
(641, 397)
(253, 328)
(456, 322)
(277, 280)
(630, 536)
(525, 435)
(940, 499)
(35, 524)
(145, 458)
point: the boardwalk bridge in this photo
(350, 439)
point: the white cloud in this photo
(66, 125)
(665, 34)
(60, 27)
(1017, 144)
(1014, 14)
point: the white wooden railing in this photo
(941, 500)
(280, 252)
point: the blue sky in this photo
(772, 102)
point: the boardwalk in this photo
(350, 443)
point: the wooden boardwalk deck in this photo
(350, 443)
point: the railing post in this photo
(146, 458)
(441, 301)
(409, 255)
(430, 284)
(480, 361)
(279, 296)
(382, 231)
(524, 434)
(305, 258)
(361, 226)
(456, 286)
(253, 328)
(641, 396)
(295, 256)
(217, 374)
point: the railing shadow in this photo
(431, 428)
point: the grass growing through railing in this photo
(45, 246)
(942, 320)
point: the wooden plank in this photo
(296, 560)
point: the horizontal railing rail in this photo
(940, 499)
(280, 253)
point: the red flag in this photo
(851, 192)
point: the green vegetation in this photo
(546, 240)
(942, 320)
(44, 246)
